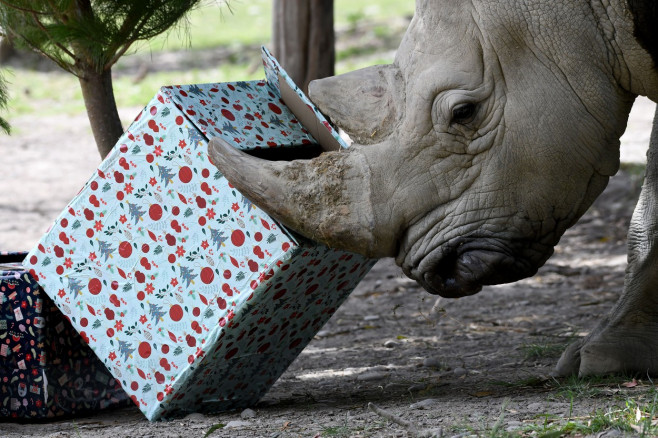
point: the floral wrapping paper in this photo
(192, 296)
(46, 370)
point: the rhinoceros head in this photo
(493, 131)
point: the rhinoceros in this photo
(491, 133)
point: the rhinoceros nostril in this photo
(447, 266)
(451, 276)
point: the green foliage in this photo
(4, 126)
(83, 35)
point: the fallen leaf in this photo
(631, 384)
(285, 425)
(637, 428)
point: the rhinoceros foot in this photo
(628, 346)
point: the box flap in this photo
(247, 114)
(255, 115)
(301, 106)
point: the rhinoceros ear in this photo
(645, 17)
(364, 102)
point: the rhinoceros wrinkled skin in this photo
(493, 131)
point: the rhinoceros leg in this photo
(627, 339)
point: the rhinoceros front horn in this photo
(326, 199)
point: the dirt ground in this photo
(461, 365)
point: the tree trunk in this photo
(101, 107)
(303, 38)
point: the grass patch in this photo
(336, 431)
(541, 350)
(243, 22)
(636, 417)
(575, 387)
(632, 416)
(634, 169)
(48, 93)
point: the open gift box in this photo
(192, 296)
(46, 369)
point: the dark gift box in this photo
(46, 368)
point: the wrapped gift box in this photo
(194, 298)
(46, 369)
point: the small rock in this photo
(371, 317)
(247, 414)
(424, 404)
(195, 416)
(236, 423)
(373, 375)
(432, 362)
(390, 344)
(459, 371)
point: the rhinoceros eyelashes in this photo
(463, 113)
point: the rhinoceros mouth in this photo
(464, 266)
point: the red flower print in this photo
(210, 213)
(24, 304)
(174, 282)
(92, 256)
(182, 144)
(28, 357)
(153, 181)
(204, 244)
(180, 251)
(118, 326)
(112, 355)
(98, 225)
(199, 352)
(230, 315)
(68, 262)
(38, 403)
(235, 206)
(143, 319)
(158, 150)
(168, 389)
(258, 116)
(123, 219)
(203, 102)
(61, 293)
(128, 188)
(149, 288)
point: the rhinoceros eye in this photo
(463, 113)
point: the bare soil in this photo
(460, 365)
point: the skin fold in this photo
(492, 132)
